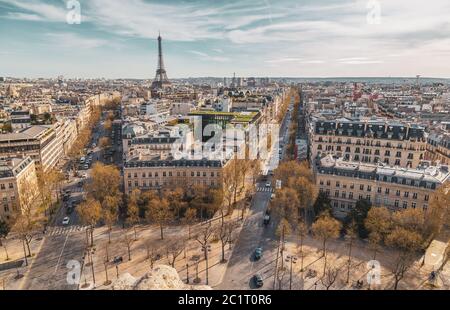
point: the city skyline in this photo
(254, 38)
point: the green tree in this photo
(4, 231)
(359, 214)
(322, 204)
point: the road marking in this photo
(60, 255)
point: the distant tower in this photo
(418, 80)
(161, 79)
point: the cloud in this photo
(205, 56)
(281, 60)
(36, 11)
(72, 40)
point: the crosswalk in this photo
(57, 230)
(264, 189)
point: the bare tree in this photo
(189, 218)
(204, 235)
(302, 231)
(128, 241)
(330, 277)
(351, 235)
(224, 234)
(174, 249)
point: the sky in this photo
(277, 38)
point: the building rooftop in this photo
(11, 167)
(381, 172)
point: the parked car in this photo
(66, 221)
(117, 259)
(257, 279)
(258, 253)
(268, 184)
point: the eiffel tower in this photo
(161, 80)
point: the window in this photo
(406, 194)
(156, 174)
(164, 173)
(10, 185)
(328, 183)
(192, 174)
(321, 182)
(386, 191)
(336, 194)
(414, 195)
(379, 190)
(2, 186)
(397, 193)
(319, 147)
(396, 203)
(387, 153)
(129, 183)
(399, 154)
(338, 184)
(212, 174)
(143, 174)
(198, 173)
(369, 188)
(361, 187)
(413, 205)
(343, 194)
(350, 195)
(136, 183)
(405, 204)
(129, 174)
(397, 162)
(204, 173)
(426, 197)
(135, 174)
(368, 197)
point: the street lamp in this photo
(187, 273)
(292, 259)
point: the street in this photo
(242, 267)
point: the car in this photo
(268, 184)
(266, 219)
(66, 220)
(258, 253)
(257, 279)
(80, 184)
(117, 259)
(69, 210)
(86, 167)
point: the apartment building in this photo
(154, 174)
(15, 174)
(438, 148)
(345, 182)
(369, 141)
(40, 142)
